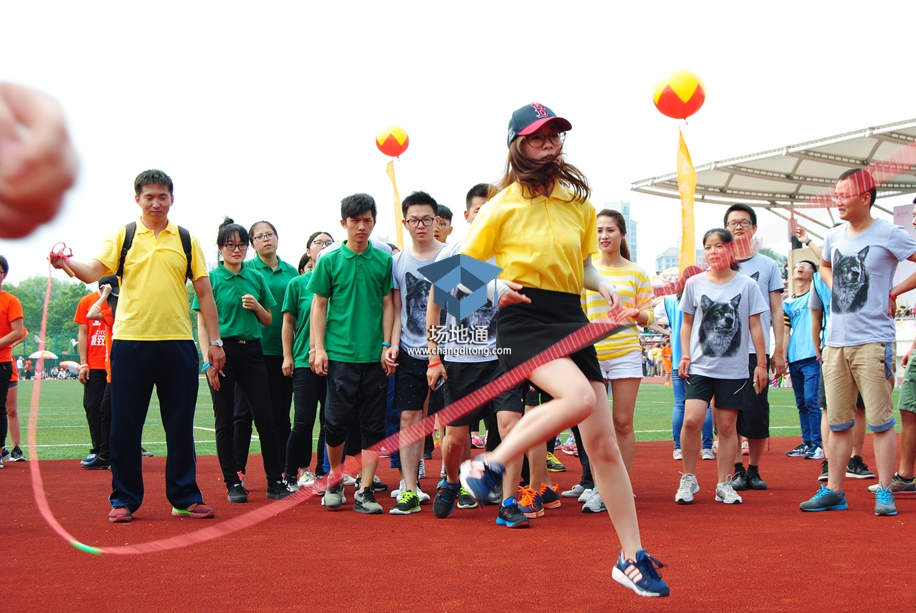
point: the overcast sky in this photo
(269, 111)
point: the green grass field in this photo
(63, 433)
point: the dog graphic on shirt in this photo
(720, 330)
(416, 298)
(850, 282)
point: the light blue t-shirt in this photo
(863, 275)
(675, 319)
(819, 300)
(798, 318)
(720, 336)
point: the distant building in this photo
(668, 258)
(632, 234)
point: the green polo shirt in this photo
(277, 280)
(355, 285)
(298, 303)
(235, 321)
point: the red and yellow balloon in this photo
(392, 141)
(679, 94)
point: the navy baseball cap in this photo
(528, 119)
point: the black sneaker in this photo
(4, 455)
(857, 469)
(237, 493)
(292, 482)
(824, 472)
(378, 486)
(465, 501)
(739, 480)
(98, 463)
(510, 516)
(754, 482)
(16, 455)
(279, 490)
(444, 503)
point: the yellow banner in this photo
(686, 185)
(398, 226)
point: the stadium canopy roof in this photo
(795, 177)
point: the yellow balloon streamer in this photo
(398, 226)
(686, 185)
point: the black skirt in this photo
(529, 329)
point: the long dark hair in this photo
(622, 226)
(531, 173)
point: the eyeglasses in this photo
(538, 140)
(426, 221)
(265, 237)
(235, 246)
(744, 223)
(804, 265)
(327, 243)
(842, 198)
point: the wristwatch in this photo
(217, 343)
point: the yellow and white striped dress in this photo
(635, 289)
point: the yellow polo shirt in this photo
(153, 303)
(539, 242)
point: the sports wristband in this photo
(385, 344)
(434, 364)
(206, 366)
(807, 242)
(893, 297)
(685, 358)
(311, 351)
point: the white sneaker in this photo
(306, 478)
(707, 454)
(687, 489)
(575, 492)
(585, 494)
(348, 480)
(725, 493)
(424, 497)
(677, 455)
(594, 504)
(814, 453)
(397, 492)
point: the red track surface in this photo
(764, 555)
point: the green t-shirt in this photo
(298, 303)
(235, 321)
(355, 285)
(277, 280)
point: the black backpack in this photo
(131, 229)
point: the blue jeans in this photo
(677, 414)
(806, 377)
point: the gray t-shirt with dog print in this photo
(863, 275)
(720, 337)
(414, 288)
(765, 271)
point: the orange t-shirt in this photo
(10, 311)
(96, 358)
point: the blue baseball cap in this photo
(528, 119)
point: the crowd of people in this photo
(345, 337)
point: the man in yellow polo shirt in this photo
(153, 346)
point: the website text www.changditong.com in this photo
(464, 350)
